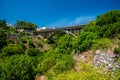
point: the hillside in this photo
(94, 54)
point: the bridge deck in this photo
(73, 29)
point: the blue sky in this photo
(55, 13)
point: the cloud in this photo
(77, 21)
(81, 20)
(8, 24)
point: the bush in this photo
(12, 49)
(57, 62)
(102, 43)
(108, 31)
(31, 44)
(108, 18)
(117, 50)
(65, 44)
(39, 44)
(3, 38)
(33, 51)
(116, 74)
(106, 25)
(64, 63)
(87, 72)
(46, 61)
(24, 39)
(90, 27)
(84, 41)
(17, 67)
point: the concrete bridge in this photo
(74, 30)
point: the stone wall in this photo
(106, 60)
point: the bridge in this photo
(74, 30)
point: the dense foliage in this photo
(3, 38)
(25, 56)
(55, 61)
(3, 24)
(108, 18)
(84, 41)
(87, 72)
(12, 49)
(25, 25)
(117, 50)
(17, 67)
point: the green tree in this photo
(17, 67)
(25, 25)
(108, 18)
(3, 24)
(3, 38)
(64, 44)
(12, 49)
(106, 25)
(33, 51)
(84, 41)
(64, 63)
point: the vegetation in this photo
(3, 38)
(85, 41)
(25, 25)
(12, 49)
(87, 72)
(3, 24)
(110, 17)
(24, 57)
(17, 67)
(117, 50)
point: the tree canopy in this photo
(25, 25)
(3, 24)
(108, 18)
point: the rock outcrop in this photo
(107, 61)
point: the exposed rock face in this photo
(106, 60)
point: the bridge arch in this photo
(60, 31)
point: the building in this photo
(42, 28)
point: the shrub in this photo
(31, 44)
(65, 44)
(84, 41)
(33, 51)
(46, 61)
(17, 67)
(106, 25)
(108, 18)
(64, 63)
(24, 40)
(87, 72)
(116, 74)
(90, 27)
(117, 50)
(57, 62)
(102, 43)
(3, 38)
(12, 49)
(108, 31)
(46, 64)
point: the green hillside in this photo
(28, 58)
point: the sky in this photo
(55, 13)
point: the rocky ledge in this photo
(108, 61)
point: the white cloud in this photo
(77, 21)
(8, 24)
(81, 20)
